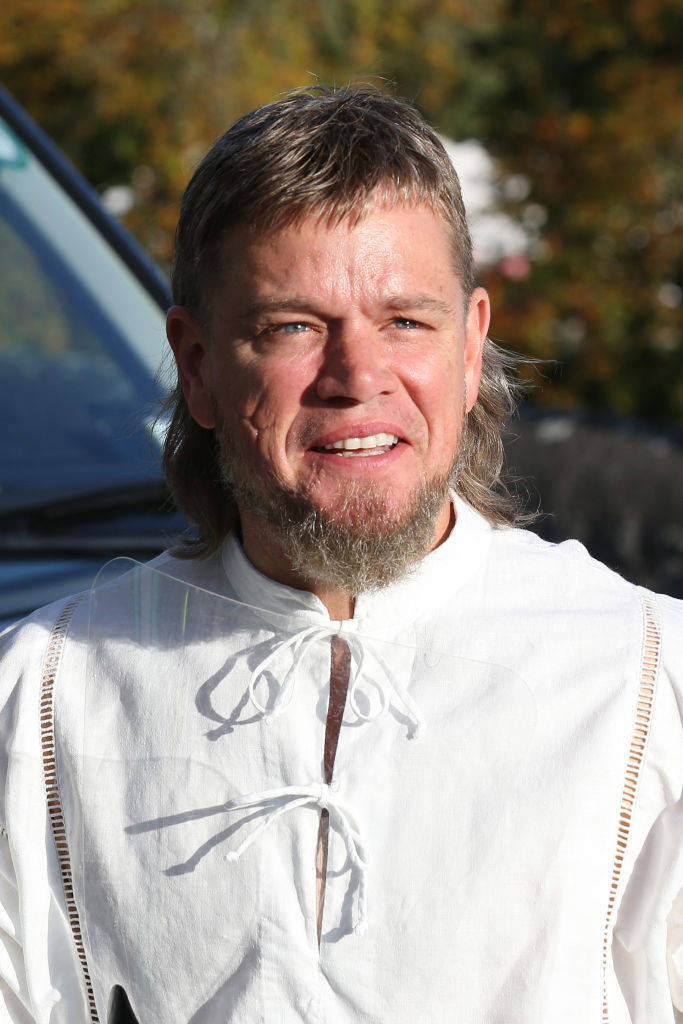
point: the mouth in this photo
(360, 447)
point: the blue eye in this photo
(406, 323)
(293, 328)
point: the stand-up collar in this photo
(443, 571)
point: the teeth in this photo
(350, 444)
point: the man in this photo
(362, 750)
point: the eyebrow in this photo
(417, 302)
(292, 304)
(296, 303)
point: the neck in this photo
(267, 554)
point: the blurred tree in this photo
(581, 103)
(591, 113)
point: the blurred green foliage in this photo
(582, 102)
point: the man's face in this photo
(340, 361)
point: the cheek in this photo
(260, 405)
(280, 391)
(239, 389)
(443, 406)
(442, 390)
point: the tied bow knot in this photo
(299, 642)
(382, 678)
(282, 800)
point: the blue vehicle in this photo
(81, 338)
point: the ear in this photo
(190, 347)
(476, 330)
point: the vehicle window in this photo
(76, 399)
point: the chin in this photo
(357, 540)
(364, 508)
(360, 543)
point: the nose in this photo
(355, 366)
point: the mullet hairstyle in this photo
(330, 154)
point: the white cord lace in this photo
(361, 656)
(277, 802)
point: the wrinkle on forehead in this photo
(335, 265)
(328, 217)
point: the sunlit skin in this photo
(320, 333)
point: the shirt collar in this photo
(443, 571)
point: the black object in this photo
(120, 1011)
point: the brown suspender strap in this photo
(649, 669)
(55, 646)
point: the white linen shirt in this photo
(505, 811)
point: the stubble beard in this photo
(362, 545)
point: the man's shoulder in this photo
(20, 640)
(529, 547)
(559, 591)
(565, 570)
(25, 640)
(565, 577)
(670, 612)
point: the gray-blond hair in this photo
(326, 153)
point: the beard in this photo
(361, 545)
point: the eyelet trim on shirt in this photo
(55, 646)
(649, 671)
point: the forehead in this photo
(389, 246)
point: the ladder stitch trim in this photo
(55, 646)
(650, 658)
